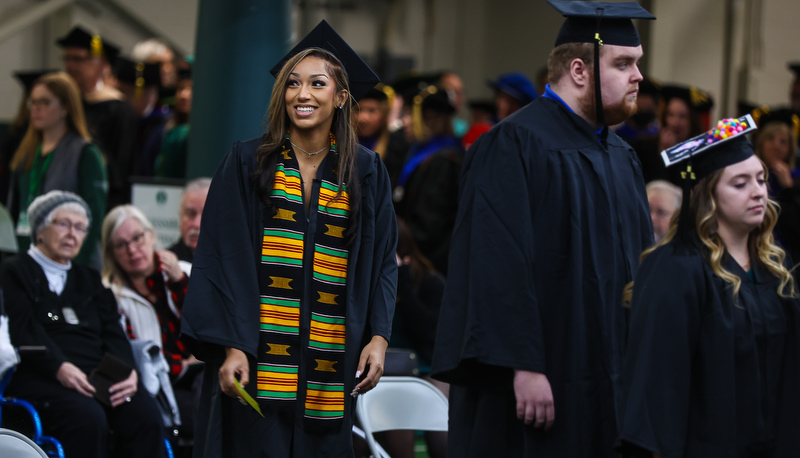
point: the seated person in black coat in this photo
(65, 308)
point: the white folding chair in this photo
(401, 403)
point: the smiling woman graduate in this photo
(294, 277)
(712, 362)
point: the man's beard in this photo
(614, 113)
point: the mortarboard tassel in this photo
(139, 91)
(96, 46)
(598, 96)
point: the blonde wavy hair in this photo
(761, 242)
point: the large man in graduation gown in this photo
(552, 219)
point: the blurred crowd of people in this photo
(81, 134)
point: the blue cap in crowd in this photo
(516, 85)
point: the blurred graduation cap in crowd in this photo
(516, 85)
(27, 78)
(794, 67)
(764, 114)
(359, 75)
(601, 23)
(79, 37)
(700, 156)
(410, 85)
(138, 74)
(430, 98)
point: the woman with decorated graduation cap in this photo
(712, 364)
(293, 281)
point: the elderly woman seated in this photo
(150, 286)
(64, 308)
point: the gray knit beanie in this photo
(44, 205)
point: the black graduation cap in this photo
(436, 99)
(28, 78)
(610, 20)
(138, 74)
(599, 23)
(359, 75)
(765, 114)
(410, 85)
(78, 37)
(794, 67)
(696, 98)
(699, 156)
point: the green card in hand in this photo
(247, 398)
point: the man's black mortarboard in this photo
(359, 75)
(599, 23)
(28, 78)
(78, 37)
(726, 144)
(138, 74)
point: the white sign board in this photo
(160, 204)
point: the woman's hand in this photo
(372, 355)
(169, 265)
(782, 173)
(123, 391)
(235, 364)
(189, 361)
(73, 378)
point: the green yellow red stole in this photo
(303, 283)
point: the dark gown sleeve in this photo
(664, 328)
(24, 329)
(221, 305)
(382, 300)
(490, 318)
(434, 206)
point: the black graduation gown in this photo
(706, 377)
(430, 204)
(549, 230)
(222, 308)
(113, 126)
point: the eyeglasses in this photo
(136, 241)
(66, 225)
(41, 103)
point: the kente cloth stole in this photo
(303, 284)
